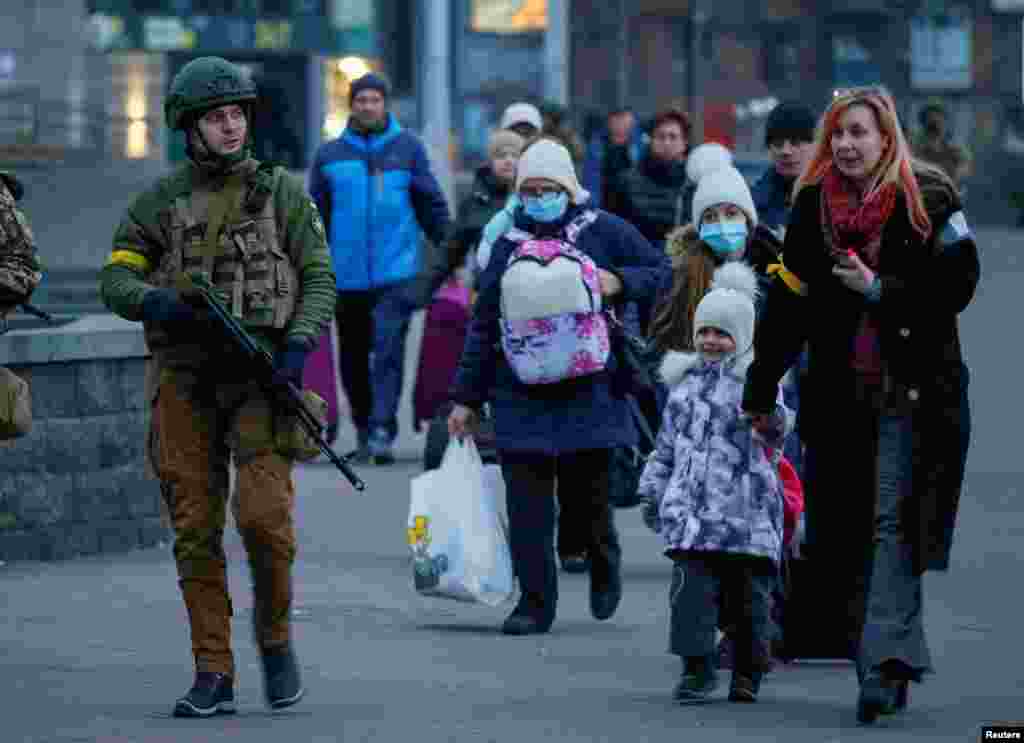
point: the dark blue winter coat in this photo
(771, 197)
(575, 415)
(375, 194)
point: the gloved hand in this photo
(290, 360)
(167, 306)
(650, 513)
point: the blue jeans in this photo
(372, 328)
(893, 625)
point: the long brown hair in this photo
(897, 164)
(693, 267)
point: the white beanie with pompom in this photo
(710, 167)
(705, 158)
(729, 305)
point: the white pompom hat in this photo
(710, 167)
(729, 305)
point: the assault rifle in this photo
(277, 391)
(28, 309)
(31, 309)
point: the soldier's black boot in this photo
(212, 693)
(281, 682)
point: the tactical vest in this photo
(254, 277)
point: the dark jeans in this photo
(893, 625)
(530, 487)
(709, 587)
(372, 328)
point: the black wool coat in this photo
(925, 285)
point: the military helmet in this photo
(205, 83)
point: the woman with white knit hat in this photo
(722, 229)
(567, 427)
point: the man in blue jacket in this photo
(376, 193)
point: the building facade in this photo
(731, 60)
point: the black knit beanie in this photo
(790, 120)
(369, 81)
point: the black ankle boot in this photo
(698, 682)
(878, 696)
(281, 682)
(211, 694)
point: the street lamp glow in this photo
(353, 67)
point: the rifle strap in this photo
(222, 205)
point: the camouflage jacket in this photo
(20, 271)
(269, 262)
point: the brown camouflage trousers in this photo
(198, 426)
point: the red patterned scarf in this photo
(856, 225)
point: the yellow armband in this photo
(789, 278)
(129, 258)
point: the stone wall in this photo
(76, 485)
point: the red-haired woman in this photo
(886, 262)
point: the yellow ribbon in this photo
(129, 258)
(789, 278)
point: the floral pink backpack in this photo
(552, 324)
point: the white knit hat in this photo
(705, 158)
(546, 158)
(722, 185)
(522, 113)
(729, 306)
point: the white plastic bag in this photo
(457, 529)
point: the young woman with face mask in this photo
(724, 218)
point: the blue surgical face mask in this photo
(726, 239)
(546, 208)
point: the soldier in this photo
(20, 271)
(252, 230)
(934, 144)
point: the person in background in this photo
(611, 151)
(558, 126)
(375, 190)
(789, 137)
(492, 187)
(934, 144)
(524, 119)
(882, 262)
(655, 195)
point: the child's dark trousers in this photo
(715, 589)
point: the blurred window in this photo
(509, 16)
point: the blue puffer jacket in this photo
(375, 194)
(574, 415)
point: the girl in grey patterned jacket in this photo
(714, 493)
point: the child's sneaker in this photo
(744, 688)
(697, 684)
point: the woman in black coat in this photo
(880, 263)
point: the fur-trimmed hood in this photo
(680, 243)
(675, 365)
